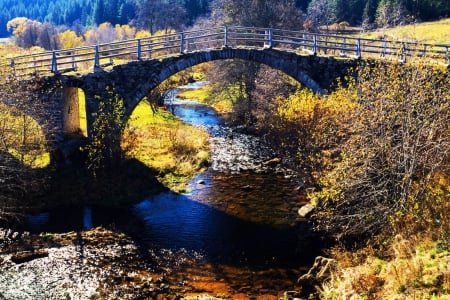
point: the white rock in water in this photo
(305, 210)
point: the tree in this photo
(23, 146)
(399, 142)
(48, 37)
(104, 151)
(155, 15)
(240, 78)
(319, 13)
(69, 39)
(390, 13)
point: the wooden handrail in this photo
(91, 57)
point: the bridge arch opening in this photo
(74, 112)
(297, 67)
(24, 139)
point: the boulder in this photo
(320, 272)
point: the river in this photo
(238, 226)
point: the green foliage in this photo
(88, 13)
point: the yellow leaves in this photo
(69, 39)
(104, 26)
(142, 34)
(125, 32)
(17, 25)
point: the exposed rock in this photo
(305, 210)
(319, 273)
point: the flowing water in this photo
(237, 226)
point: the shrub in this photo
(399, 142)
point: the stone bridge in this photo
(315, 60)
(133, 81)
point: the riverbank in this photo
(105, 264)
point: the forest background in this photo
(154, 15)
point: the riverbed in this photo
(235, 234)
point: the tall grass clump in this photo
(163, 142)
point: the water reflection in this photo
(174, 221)
(87, 218)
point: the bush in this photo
(399, 144)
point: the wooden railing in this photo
(157, 47)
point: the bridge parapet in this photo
(92, 58)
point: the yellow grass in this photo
(437, 32)
(416, 270)
(23, 138)
(164, 143)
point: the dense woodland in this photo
(154, 15)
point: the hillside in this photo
(437, 32)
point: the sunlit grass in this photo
(23, 138)
(164, 143)
(417, 269)
(437, 32)
(201, 94)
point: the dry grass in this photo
(417, 269)
(437, 32)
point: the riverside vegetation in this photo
(375, 154)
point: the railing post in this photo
(96, 58)
(110, 56)
(383, 50)
(448, 54)
(314, 49)
(226, 37)
(139, 50)
(182, 42)
(268, 38)
(303, 42)
(424, 50)
(358, 48)
(344, 46)
(403, 53)
(12, 64)
(54, 63)
(74, 66)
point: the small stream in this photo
(238, 219)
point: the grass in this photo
(164, 143)
(222, 102)
(23, 138)
(416, 269)
(437, 32)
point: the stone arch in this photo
(294, 65)
(133, 80)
